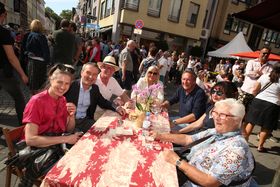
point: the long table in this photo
(108, 155)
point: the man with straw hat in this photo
(108, 85)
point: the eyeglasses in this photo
(217, 92)
(64, 68)
(154, 73)
(222, 116)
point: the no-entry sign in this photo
(139, 24)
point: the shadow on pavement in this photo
(8, 120)
(264, 174)
(274, 150)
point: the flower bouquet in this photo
(144, 99)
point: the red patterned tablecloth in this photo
(104, 158)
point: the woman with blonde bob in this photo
(151, 78)
(38, 53)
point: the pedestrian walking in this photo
(9, 63)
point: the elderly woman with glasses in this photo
(218, 92)
(223, 158)
(47, 115)
(151, 78)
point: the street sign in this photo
(137, 31)
(91, 17)
(139, 24)
(93, 26)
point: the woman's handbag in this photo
(247, 98)
(37, 161)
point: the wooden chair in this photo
(11, 137)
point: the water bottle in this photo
(146, 125)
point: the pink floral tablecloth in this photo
(104, 157)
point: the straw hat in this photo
(109, 60)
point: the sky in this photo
(58, 5)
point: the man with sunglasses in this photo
(254, 69)
(9, 62)
(85, 94)
(192, 101)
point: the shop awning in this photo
(104, 29)
(265, 14)
(256, 54)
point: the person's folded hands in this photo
(121, 110)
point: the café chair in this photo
(11, 137)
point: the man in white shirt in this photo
(108, 85)
(254, 69)
(191, 62)
(163, 65)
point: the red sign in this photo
(139, 24)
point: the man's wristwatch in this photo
(178, 162)
(174, 122)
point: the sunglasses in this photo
(64, 68)
(154, 73)
(217, 92)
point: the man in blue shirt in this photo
(192, 100)
(85, 94)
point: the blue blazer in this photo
(72, 95)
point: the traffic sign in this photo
(139, 24)
(91, 17)
(137, 31)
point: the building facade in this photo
(13, 10)
(178, 22)
(182, 24)
(225, 27)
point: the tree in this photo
(66, 14)
(53, 15)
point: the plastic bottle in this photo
(146, 125)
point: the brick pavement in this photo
(266, 163)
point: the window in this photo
(244, 27)
(108, 7)
(234, 26)
(270, 36)
(131, 4)
(94, 11)
(154, 8)
(174, 11)
(193, 14)
(228, 24)
(277, 43)
(102, 12)
(205, 18)
(113, 6)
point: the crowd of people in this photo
(73, 80)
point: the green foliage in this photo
(139, 107)
(53, 15)
(66, 14)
